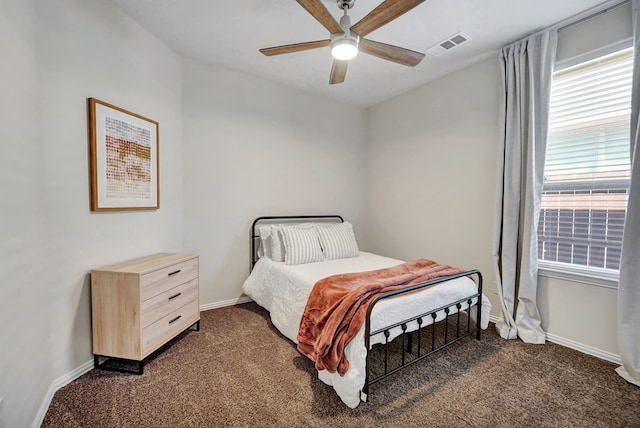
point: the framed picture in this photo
(124, 164)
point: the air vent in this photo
(448, 44)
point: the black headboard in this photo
(254, 235)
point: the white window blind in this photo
(587, 169)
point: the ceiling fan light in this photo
(344, 49)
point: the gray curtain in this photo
(629, 283)
(527, 68)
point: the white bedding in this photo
(283, 290)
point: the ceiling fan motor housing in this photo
(348, 4)
(345, 45)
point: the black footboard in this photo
(456, 313)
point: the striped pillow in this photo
(301, 244)
(338, 240)
(264, 248)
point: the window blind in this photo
(587, 168)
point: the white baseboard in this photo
(224, 303)
(84, 368)
(1, 412)
(57, 384)
(585, 349)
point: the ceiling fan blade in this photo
(338, 71)
(386, 12)
(391, 53)
(319, 12)
(296, 47)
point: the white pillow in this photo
(264, 250)
(338, 240)
(302, 244)
(277, 246)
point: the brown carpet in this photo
(239, 371)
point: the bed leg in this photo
(410, 343)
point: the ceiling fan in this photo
(346, 40)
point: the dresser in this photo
(141, 304)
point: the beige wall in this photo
(431, 167)
(244, 140)
(255, 148)
(431, 171)
(56, 55)
(604, 30)
(117, 62)
(25, 367)
(416, 175)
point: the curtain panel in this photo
(629, 282)
(527, 68)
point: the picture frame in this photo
(124, 159)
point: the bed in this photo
(409, 315)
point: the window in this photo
(587, 169)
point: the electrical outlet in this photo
(1, 412)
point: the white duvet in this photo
(283, 291)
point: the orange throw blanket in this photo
(338, 304)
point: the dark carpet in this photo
(239, 371)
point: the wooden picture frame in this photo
(124, 159)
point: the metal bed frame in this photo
(461, 309)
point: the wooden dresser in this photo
(141, 304)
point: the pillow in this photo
(302, 244)
(264, 249)
(277, 246)
(278, 249)
(338, 240)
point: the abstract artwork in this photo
(124, 159)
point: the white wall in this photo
(57, 54)
(254, 148)
(431, 171)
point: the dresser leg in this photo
(194, 327)
(137, 369)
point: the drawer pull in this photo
(174, 296)
(173, 273)
(175, 319)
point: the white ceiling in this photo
(229, 33)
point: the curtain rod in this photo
(593, 15)
(574, 20)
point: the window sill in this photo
(599, 277)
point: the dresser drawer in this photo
(161, 280)
(158, 333)
(168, 301)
